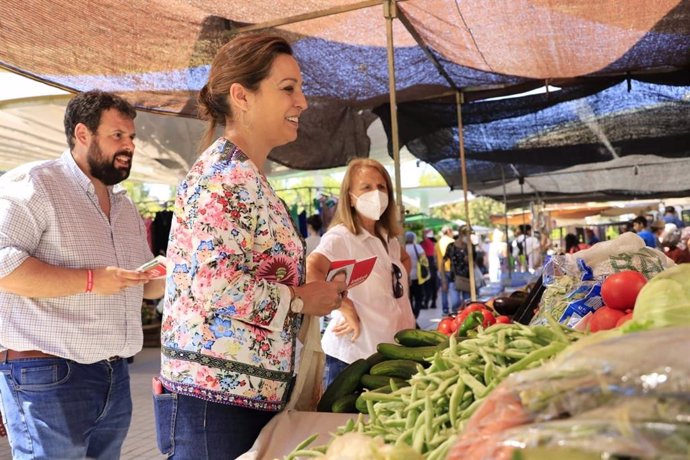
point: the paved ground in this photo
(141, 442)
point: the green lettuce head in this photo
(665, 300)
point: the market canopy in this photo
(157, 54)
(425, 221)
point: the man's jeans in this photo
(55, 408)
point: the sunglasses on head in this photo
(398, 290)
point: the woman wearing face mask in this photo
(365, 225)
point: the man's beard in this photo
(105, 170)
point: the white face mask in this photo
(372, 204)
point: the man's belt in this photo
(12, 355)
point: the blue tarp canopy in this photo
(622, 67)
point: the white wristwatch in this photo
(296, 303)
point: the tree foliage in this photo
(481, 210)
(304, 191)
(139, 193)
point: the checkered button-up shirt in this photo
(49, 210)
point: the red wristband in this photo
(89, 280)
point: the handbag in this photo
(423, 273)
(462, 283)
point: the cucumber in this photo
(371, 382)
(345, 383)
(345, 404)
(375, 358)
(419, 338)
(402, 368)
(419, 354)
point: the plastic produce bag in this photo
(627, 252)
(571, 292)
(624, 396)
(573, 281)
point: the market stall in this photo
(580, 370)
(445, 50)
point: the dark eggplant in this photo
(507, 305)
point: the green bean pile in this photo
(429, 413)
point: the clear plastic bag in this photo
(571, 292)
(624, 396)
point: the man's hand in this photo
(111, 280)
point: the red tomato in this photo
(489, 319)
(624, 319)
(444, 326)
(474, 306)
(503, 319)
(454, 325)
(460, 317)
(605, 318)
(619, 291)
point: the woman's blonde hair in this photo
(345, 214)
(247, 60)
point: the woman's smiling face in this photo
(275, 108)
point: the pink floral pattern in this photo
(226, 336)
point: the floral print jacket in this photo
(228, 335)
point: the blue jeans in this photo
(334, 366)
(57, 408)
(192, 428)
(456, 297)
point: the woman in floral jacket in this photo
(235, 294)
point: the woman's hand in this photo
(321, 297)
(349, 324)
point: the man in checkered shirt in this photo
(70, 294)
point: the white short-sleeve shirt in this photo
(381, 314)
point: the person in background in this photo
(444, 267)
(233, 311)
(431, 286)
(573, 244)
(479, 254)
(457, 255)
(365, 225)
(498, 252)
(527, 249)
(670, 239)
(70, 294)
(518, 249)
(671, 217)
(590, 237)
(313, 238)
(657, 229)
(684, 237)
(414, 252)
(640, 227)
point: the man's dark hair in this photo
(315, 221)
(640, 220)
(669, 210)
(88, 107)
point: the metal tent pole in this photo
(389, 12)
(306, 16)
(509, 249)
(463, 167)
